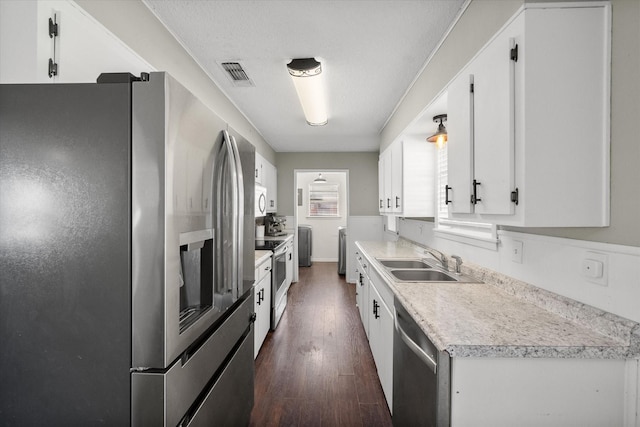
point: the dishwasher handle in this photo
(415, 348)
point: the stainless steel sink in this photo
(405, 263)
(417, 275)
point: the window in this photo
(471, 232)
(323, 200)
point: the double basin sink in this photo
(420, 270)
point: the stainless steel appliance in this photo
(304, 245)
(421, 376)
(342, 250)
(275, 225)
(279, 284)
(126, 225)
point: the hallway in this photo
(316, 369)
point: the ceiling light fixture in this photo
(440, 137)
(309, 83)
(319, 178)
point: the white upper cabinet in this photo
(381, 195)
(528, 121)
(460, 144)
(83, 47)
(271, 182)
(408, 177)
(259, 172)
(493, 142)
(267, 175)
(397, 198)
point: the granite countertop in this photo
(261, 256)
(503, 317)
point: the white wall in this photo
(324, 230)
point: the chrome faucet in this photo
(458, 263)
(439, 256)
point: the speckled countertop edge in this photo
(261, 256)
(614, 337)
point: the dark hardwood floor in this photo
(316, 369)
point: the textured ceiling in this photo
(371, 51)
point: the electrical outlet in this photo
(594, 268)
(517, 248)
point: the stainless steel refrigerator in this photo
(126, 257)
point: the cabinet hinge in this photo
(53, 34)
(514, 196)
(514, 54)
(53, 28)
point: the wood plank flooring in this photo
(316, 369)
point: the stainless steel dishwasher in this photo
(421, 376)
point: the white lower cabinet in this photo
(362, 291)
(375, 304)
(381, 341)
(528, 391)
(262, 303)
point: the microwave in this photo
(261, 201)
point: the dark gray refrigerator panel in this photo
(64, 254)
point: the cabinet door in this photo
(385, 370)
(493, 127)
(388, 179)
(396, 177)
(257, 339)
(381, 341)
(460, 143)
(259, 170)
(271, 179)
(381, 201)
(363, 306)
(262, 295)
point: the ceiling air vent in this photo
(236, 74)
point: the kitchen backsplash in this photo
(559, 265)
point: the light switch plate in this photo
(516, 251)
(594, 268)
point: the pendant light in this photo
(440, 137)
(320, 179)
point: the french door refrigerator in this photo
(126, 257)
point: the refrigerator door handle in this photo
(238, 210)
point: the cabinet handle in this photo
(380, 203)
(474, 197)
(446, 194)
(376, 306)
(256, 173)
(253, 318)
(397, 202)
(388, 203)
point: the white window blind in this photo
(323, 200)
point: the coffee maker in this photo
(274, 225)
